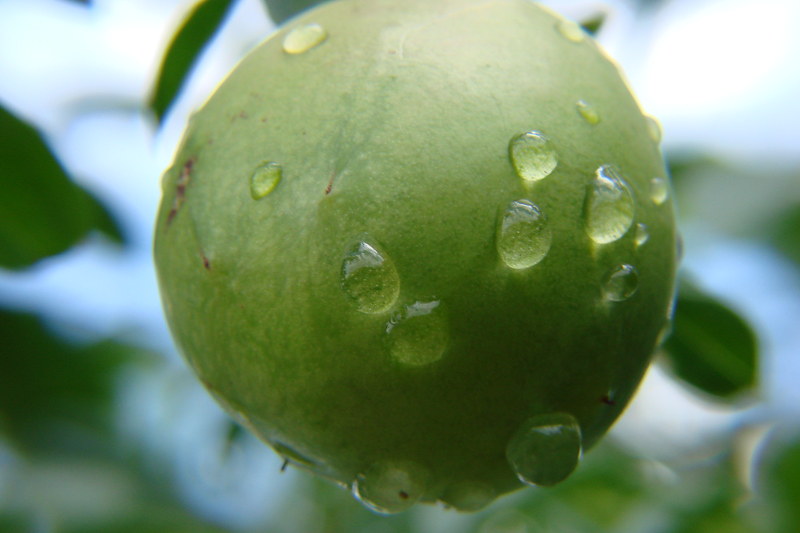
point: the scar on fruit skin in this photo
(607, 400)
(330, 183)
(180, 188)
(206, 262)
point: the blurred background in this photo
(104, 429)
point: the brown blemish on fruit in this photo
(403, 495)
(206, 262)
(607, 400)
(180, 189)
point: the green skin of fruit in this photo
(397, 126)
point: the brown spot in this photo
(607, 400)
(330, 183)
(180, 189)
(392, 52)
(243, 114)
(206, 262)
(284, 465)
(263, 119)
(403, 495)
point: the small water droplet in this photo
(545, 449)
(304, 38)
(419, 334)
(608, 207)
(469, 496)
(620, 283)
(588, 112)
(532, 155)
(369, 277)
(653, 128)
(264, 179)
(642, 235)
(523, 235)
(659, 190)
(571, 31)
(391, 486)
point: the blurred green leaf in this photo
(184, 50)
(711, 347)
(42, 212)
(281, 10)
(593, 24)
(53, 393)
(785, 233)
(781, 480)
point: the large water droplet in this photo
(523, 235)
(469, 496)
(419, 334)
(588, 112)
(369, 278)
(659, 190)
(642, 234)
(571, 31)
(653, 128)
(532, 155)
(264, 179)
(620, 283)
(545, 449)
(608, 207)
(304, 38)
(391, 486)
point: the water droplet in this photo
(545, 449)
(653, 128)
(571, 31)
(532, 155)
(264, 179)
(369, 278)
(642, 235)
(419, 334)
(659, 190)
(391, 486)
(588, 112)
(469, 496)
(608, 207)
(304, 38)
(523, 235)
(620, 283)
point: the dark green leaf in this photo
(198, 29)
(711, 347)
(781, 482)
(281, 10)
(53, 393)
(593, 24)
(42, 212)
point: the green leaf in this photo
(784, 233)
(593, 24)
(42, 212)
(187, 45)
(781, 481)
(55, 394)
(281, 10)
(711, 347)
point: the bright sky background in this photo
(721, 75)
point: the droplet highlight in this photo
(523, 235)
(571, 30)
(469, 496)
(659, 190)
(620, 283)
(304, 38)
(391, 486)
(545, 449)
(532, 155)
(653, 128)
(418, 335)
(264, 179)
(642, 234)
(369, 278)
(588, 112)
(608, 206)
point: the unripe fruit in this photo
(424, 249)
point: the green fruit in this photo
(424, 249)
